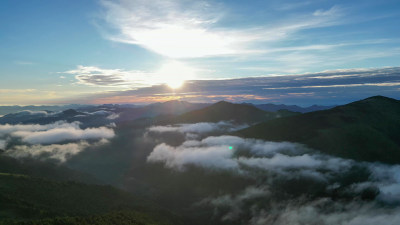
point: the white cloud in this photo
(332, 11)
(215, 157)
(59, 152)
(113, 116)
(170, 28)
(8, 128)
(55, 132)
(226, 152)
(101, 113)
(63, 134)
(30, 112)
(170, 72)
(182, 29)
(91, 75)
(284, 159)
(327, 212)
(199, 128)
(267, 162)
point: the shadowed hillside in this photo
(42, 193)
(364, 130)
(240, 113)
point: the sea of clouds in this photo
(352, 192)
(58, 141)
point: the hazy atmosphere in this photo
(180, 112)
(133, 51)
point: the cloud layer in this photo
(329, 87)
(365, 187)
(199, 128)
(195, 29)
(58, 141)
(55, 151)
(55, 133)
(230, 152)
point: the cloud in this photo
(183, 27)
(193, 29)
(198, 127)
(108, 114)
(328, 212)
(57, 141)
(170, 72)
(63, 134)
(215, 157)
(354, 84)
(277, 161)
(91, 75)
(332, 11)
(55, 132)
(228, 152)
(58, 152)
(236, 203)
(266, 203)
(113, 116)
(33, 113)
(9, 128)
(3, 144)
(241, 156)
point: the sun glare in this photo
(174, 74)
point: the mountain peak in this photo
(223, 110)
(377, 102)
(378, 98)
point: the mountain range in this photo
(226, 111)
(31, 190)
(294, 108)
(366, 130)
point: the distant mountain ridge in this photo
(174, 107)
(367, 130)
(294, 108)
(98, 115)
(226, 111)
(16, 108)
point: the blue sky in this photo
(137, 51)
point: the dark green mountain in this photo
(294, 108)
(364, 130)
(46, 170)
(240, 113)
(41, 193)
(157, 109)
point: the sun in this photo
(174, 84)
(174, 74)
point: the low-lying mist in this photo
(281, 182)
(204, 173)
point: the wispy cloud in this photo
(276, 39)
(91, 75)
(275, 167)
(56, 141)
(169, 73)
(59, 152)
(182, 29)
(54, 133)
(308, 88)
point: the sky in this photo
(138, 51)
